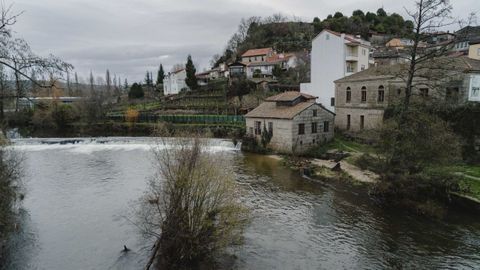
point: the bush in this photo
(10, 187)
(250, 144)
(191, 205)
(136, 91)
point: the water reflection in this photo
(78, 195)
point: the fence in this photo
(186, 119)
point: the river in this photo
(81, 195)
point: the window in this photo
(327, 37)
(349, 95)
(364, 52)
(314, 113)
(301, 129)
(270, 128)
(258, 127)
(314, 127)
(399, 91)
(452, 94)
(250, 130)
(332, 101)
(478, 51)
(424, 92)
(362, 122)
(381, 94)
(348, 121)
(326, 126)
(363, 67)
(364, 94)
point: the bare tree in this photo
(191, 206)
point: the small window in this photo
(314, 113)
(258, 127)
(362, 122)
(424, 92)
(399, 91)
(364, 52)
(363, 67)
(348, 121)
(314, 127)
(364, 94)
(349, 95)
(478, 51)
(326, 126)
(452, 94)
(270, 128)
(251, 130)
(327, 37)
(301, 129)
(381, 94)
(332, 102)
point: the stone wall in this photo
(285, 131)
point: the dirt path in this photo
(352, 170)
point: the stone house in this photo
(363, 97)
(257, 55)
(295, 121)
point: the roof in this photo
(271, 110)
(350, 38)
(236, 64)
(468, 33)
(451, 63)
(289, 96)
(255, 52)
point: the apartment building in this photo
(334, 56)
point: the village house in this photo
(295, 121)
(334, 56)
(265, 68)
(363, 97)
(464, 37)
(474, 49)
(174, 82)
(257, 55)
(237, 69)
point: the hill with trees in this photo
(289, 35)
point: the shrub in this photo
(192, 205)
(136, 91)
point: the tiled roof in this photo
(271, 110)
(289, 96)
(445, 64)
(255, 52)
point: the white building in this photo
(334, 56)
(174, 82)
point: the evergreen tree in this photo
(69, 90)
(160, 75)
(147, 79)
(109, 83)
(92, 82)
(77, 89)
(125, 85)
(191, 79)
(136, 91)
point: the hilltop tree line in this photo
(291, 34)
(361, 23)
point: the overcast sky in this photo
(132, 36)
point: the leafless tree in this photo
(192, 205)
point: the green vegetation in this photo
(362, 23)
(136, 91)
(191, 79)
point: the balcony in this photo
(351, 57)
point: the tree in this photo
(191, 79)
(136, 91)
(108, 83)
(160, 75)
(125, 85)
(191, 206)
(3, 90)
(92, 84)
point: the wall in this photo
(474, 51)
(285, 131)
(327, 65)
(282, 133)
(309, 139)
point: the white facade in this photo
(334, 56)
(174, 82)
(266, 69)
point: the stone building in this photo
(363, 97)
(295, 121)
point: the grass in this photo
(345, 145)
(470, 178)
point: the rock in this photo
(337, 167)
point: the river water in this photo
(81, 196)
